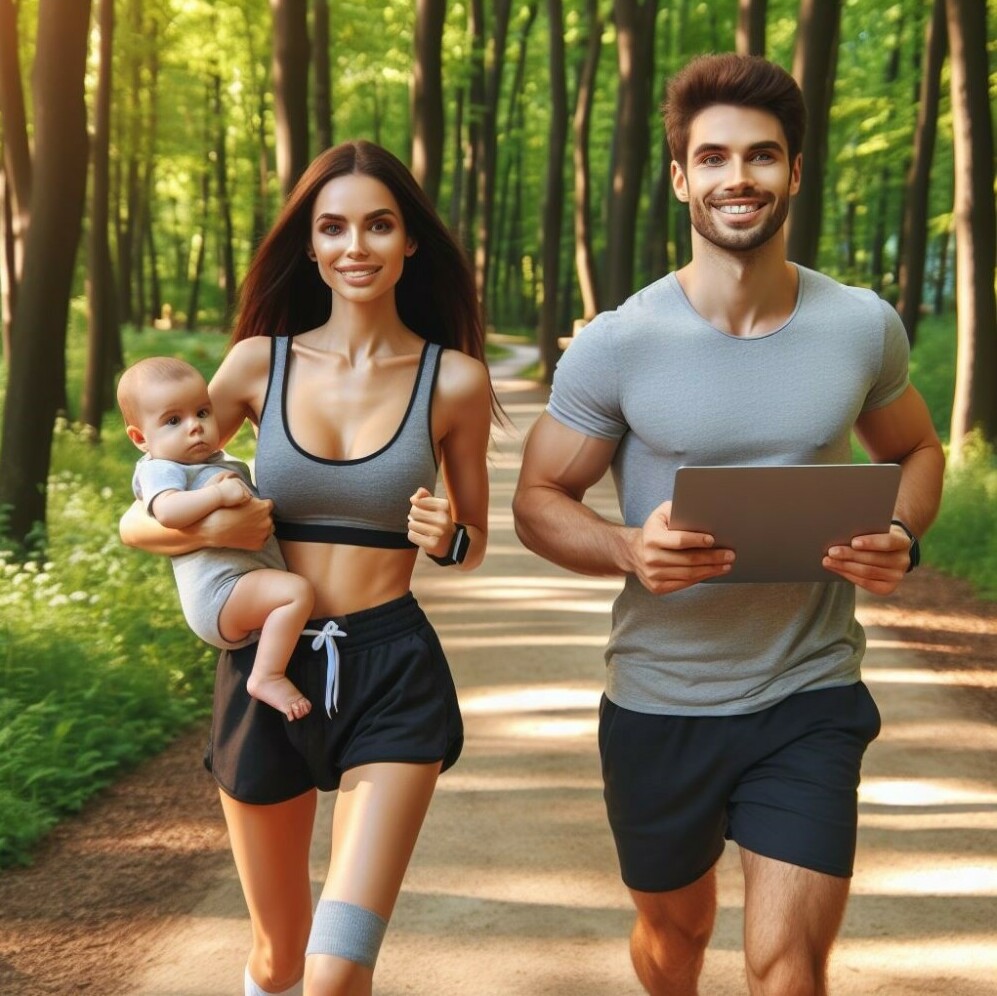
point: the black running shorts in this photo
(396, 702)
(782, 782)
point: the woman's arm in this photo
(239, 386)
(244, 528)
(462, 424)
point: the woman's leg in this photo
(378, 815)
(270, 845)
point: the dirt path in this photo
(513, 890)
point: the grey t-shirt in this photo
(674, 391)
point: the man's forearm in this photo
(568, 533)
(920, 488)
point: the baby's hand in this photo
(231, 488)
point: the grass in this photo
(98, 668)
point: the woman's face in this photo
(358, 238)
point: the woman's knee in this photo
(278, 956)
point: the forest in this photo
(147, 143)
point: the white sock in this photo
(252, 989)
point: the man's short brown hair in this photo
(741, 80)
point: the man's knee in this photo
(790, 970)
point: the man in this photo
(731, 711)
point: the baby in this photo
(230, 598)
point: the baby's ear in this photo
(136, 435)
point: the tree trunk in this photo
(553, 210)
(102, 319)
(454, 215)
(975, 403)
(8, 294)
(512, 130)
(581, 126)
(427, 96)
(17, 162)
(36, 378)
(814, 67)
(635, 58)
(474, 110)
(918, 182)
(751, 16)
(322, 86)
(290, 84)
(488, 140)
(223, 199)
(941, 273)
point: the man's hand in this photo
(666, 560)
(876, 562)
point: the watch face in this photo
(461, 542)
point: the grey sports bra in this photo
(363, 502)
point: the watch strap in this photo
(457, 550)
(915, 546)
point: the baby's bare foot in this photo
(281, 693)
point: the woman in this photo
(358, 356)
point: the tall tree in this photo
(750, 37)
(507, 225)
(918, 183)
(581, 128)
(36, 377)
(16, 164)
(487, 143)
(814, 67)
(223, 197)
(290, 83)
(102, 318)
(473, 109)
(322, 85)
(635, 21)
(553, 210)
(975, 403)
(427, 96)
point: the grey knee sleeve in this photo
(345, 930)
(252, 989)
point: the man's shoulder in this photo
(829, 290)
(632, 317)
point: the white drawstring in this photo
(327, 636)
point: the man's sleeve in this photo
(585, 392)
(893, 375)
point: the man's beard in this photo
(735, 240)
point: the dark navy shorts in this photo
(396, 702)
(782, 782)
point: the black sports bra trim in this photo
(306, 532)
(353, 461)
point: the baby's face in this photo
(177, 421)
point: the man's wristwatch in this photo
(458, 547)
(915, 546)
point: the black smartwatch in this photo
(915, 546)
(458, 547)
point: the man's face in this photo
(738, 179)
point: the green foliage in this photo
(97, 665)
(98, 668)
(963, 540)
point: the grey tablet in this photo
(781, 520)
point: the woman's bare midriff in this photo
(350, 578)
